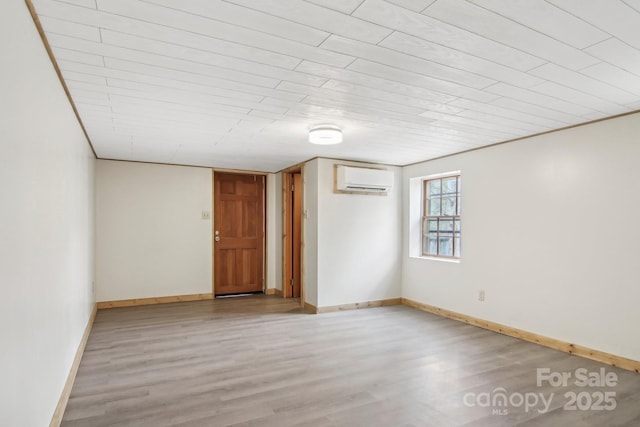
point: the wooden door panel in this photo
(249, 228)
(226, 268)
(228, 187)
(246, 189)
(227, 210)
(248, 274)
(239, 242)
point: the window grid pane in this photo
(441, 229)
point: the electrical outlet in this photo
(206, 215)
(481, 295)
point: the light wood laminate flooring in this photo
(261, 361)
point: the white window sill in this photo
(451, 260)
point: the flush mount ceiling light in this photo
(325, 135)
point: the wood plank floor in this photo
(261, 361)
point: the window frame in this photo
(456, 232)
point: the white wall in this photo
(310, 232)
(151, 239)
(46, 226)
(550, 232)
(358, 241)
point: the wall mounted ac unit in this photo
(364, 180)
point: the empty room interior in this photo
(319, 213)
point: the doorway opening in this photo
(292, 213)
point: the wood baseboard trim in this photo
(310, 308)
(151, 301)
(273, 291)
(556, 344)
(56, 419)
(359, 305)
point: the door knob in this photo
(217, 238)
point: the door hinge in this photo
(293, 188)
(291, 282)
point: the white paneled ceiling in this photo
(237, 83)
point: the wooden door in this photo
(238, 233)
(292, 237)
(297, 235)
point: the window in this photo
(441, 217)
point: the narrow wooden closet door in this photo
(297, 235)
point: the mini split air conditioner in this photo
(365, 180)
